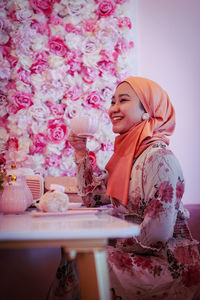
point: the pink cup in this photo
(84, 125)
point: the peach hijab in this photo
(129, 145)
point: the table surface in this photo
(89, 225)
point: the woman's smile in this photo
(125, 110)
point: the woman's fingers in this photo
(78, 142)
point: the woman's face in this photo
(126, 109)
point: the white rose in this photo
(5, 69)
(24, 14)
(37, 127)
(38, 160)
(37, 80)
(4, 37)
(3, 111)
(103, 158)
(25, 61)
(40, 42)
(55, 61)
(39, 112)
(58, 30)
(91, 60)
(53, 171)
(56, 148)
(73, 41)
(68, 163)
(24, 143)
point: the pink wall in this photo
(168, 48)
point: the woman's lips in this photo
(116, 119)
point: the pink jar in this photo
(16, 196)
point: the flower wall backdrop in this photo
(60, 59)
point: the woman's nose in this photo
(115, 107)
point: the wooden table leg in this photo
(93, 275)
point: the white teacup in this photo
(84, 125)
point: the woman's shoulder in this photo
(158, 150)
(160, 155)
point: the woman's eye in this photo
(112, 103)
(123, 100)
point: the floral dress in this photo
(163, 262)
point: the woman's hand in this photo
(79, 145)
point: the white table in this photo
(82, 236)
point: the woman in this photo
(144, 183)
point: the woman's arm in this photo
(163, 189)
(92, 187)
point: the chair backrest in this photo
(36, 186)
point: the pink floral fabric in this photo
(163, 262)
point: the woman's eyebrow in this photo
(122, 95)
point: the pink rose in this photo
(41, 28)
(93, 99)
(107, 67)
(13, 60)
(39, 67)
(74, 67)
(92, 158)
(52, 160)
(22, 100)
(89, 25)
(73, 93)
(57, 131)
(106, 8)
(120, 1)
(24, 75)
(12, 16)
(39, 144)
(40, 55)
(123, 46)
(57, 46)
(68, 149)
(124, 22)
(55, 20)
(13, 143)
(74, 55)
(89, 75)
(56, 109)
(11, 85)
(70, 28)
(109, 56)
(42, 6)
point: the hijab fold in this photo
(129, 145)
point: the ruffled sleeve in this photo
(91, 185)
